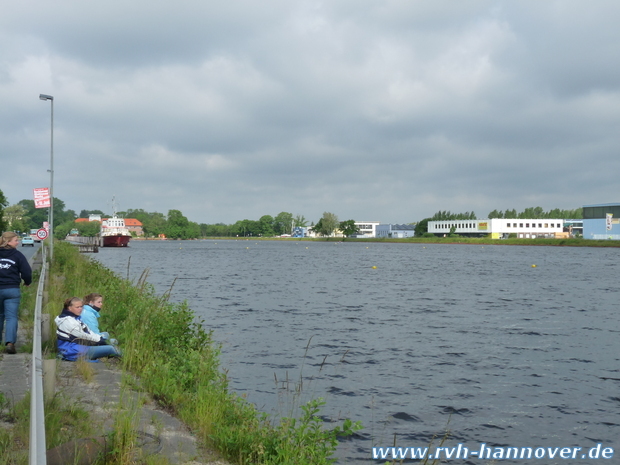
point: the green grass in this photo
(177, 362)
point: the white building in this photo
(499, 227)
(367, 228)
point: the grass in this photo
(177, 362)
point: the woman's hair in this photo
(71, 301)
(6, 237)
(92, 297)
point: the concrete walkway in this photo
(159, 432)
(15, 376)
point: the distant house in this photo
(399, 231)
(132, 224)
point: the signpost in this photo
(42, 234)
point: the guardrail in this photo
(37, 413)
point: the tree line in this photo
(23, 216)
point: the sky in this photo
(373, 110)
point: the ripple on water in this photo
(438, 332)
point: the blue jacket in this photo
(73, 336)
(13, 268)
(90, 316)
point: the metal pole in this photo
(52, 188)
(51, 170)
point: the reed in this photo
(177, 362)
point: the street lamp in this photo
(51, 170)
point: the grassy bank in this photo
(177, 362)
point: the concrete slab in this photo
(109, 399)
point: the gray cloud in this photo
(383, 111)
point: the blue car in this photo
(27, 241)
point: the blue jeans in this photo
(9, 308)
(95, 352)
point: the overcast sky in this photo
(373, 110)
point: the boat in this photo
(114, 233)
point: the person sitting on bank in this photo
(90, 315)
(75, 339)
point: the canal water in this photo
(513, 346)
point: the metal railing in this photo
(37, 413)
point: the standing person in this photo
(75, 340)
(13, 269)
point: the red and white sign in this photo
(42, 234)
(42, 197)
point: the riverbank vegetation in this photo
(177, 362)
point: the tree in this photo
(326, 225)
(301, 221)
(245, 228)
(266, 225)
(87, 228)
(283, 223)
(176, 225)
(3, 203)
(348, 228)
(15, 218)
(422, 227)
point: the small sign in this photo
(608, 221)
(42, 234)
(42, 197)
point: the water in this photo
(512, 354)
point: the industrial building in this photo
(601, 221)
(400, 231)
(499, 228)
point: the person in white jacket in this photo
(75, 340)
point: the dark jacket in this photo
(13, 268)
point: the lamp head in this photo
(45, 97)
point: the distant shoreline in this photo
(421, 240)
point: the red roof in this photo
(132, 222)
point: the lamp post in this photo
(51, 170)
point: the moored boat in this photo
(114, 233)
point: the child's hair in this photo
(71, 300)
(91, 297)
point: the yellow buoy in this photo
(374, 267)
(533, 266)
